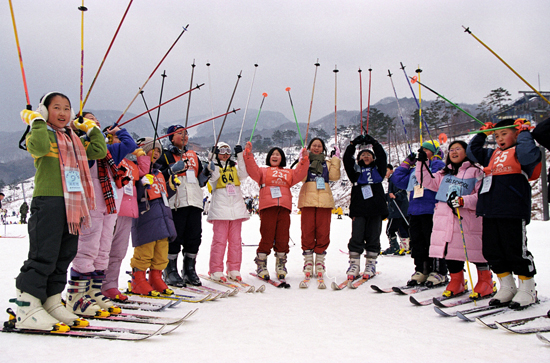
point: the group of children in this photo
(93, 190)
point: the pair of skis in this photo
(304, 284)
(236, 285)
(281, 283)
(352, 283)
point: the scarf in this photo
(120, 178)
(316, 163)
(73, 155)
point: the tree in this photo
(320, 133)
(378, 124)
(494, 102)
(278, 137)
(437, 115)
(289, 135)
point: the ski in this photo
(147, 319)
(228, 284)
(505, 310)
(321, 281)
(166, 329)
(145, 306)
(304, 284)
(280, 284)
(462, 313)
(361, 281)
(459, 302)
(543, 339)
(380, 290)
(343, 284)
(254, 289)
(173, 297)
(433, 300)
(409, 290)
(512, 326)
(206, 290)
(21, 236)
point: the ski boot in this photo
(308, 262)
(370, 265)
(507, 289)
(235, 275)
(97, 295)
(526, 294)
(114, 294)
(189, 274)
(56, 308)
(79, 300)
(485, 285)
(140, 285)
(280, 265)
(170, 273)
(457, 284)
(218, 276)
(157, 283)
(320, 264)
(32, 315)
(353, 270)
(435, 278)
(418, 278)
(393, 249)
(261, 263)
(405, 246)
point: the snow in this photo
(295, 325)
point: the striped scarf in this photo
(105, 180)
(73, 155)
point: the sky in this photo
(285, 39)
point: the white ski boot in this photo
(370, 265)
(218, 276)
(353, 270)
(261, 263)
(320, 264)
(308, 262)
(32, 315)
(103, 301)
(507, 289)
(235, 275)
(80, 302)
(280, 265)
(55, 307)
(417, 278)
(526, 294)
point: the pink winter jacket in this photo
(259, 175)
(446, 228)
(129, 206)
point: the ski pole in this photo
(257, 117)
(189, 98)
(106, 54)
(151, 75)
(29, 107)
(82, 10)
(474, 295)
(335, 102)
(163, 75)
(368, 102)
(311, 103)
(493, 129)
(401, 212)
(147, 108)
(467, 30)
(246, 108)
(400, 113)
(295, 118)
(418, 71)
(361, 99)
(211, 100)
(227, 112)
(450, 102)
(154, 108)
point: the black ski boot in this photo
(189, 274)
(170, 273)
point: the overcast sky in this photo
(285, 38)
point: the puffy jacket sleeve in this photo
(334, 169)
(427, 181)
(300, 172)
(144, 164)
(124, 147)
(241, 167)
(349, 164)
(251, 167)
(476, 152)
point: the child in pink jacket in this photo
(275, 204)
(457, 185)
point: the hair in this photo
(322, 143)
(86, 113)
(453, 170)
(283, 157)
(505, 122)
(47, 99)
(361, 162)
(389, 166)
(2, 194)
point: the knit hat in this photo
(146, 144)
(173, 129)
(367, 151)
(430, 146)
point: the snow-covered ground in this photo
(295, 325)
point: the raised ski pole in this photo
(82, 9)
(450, 102)
(147, 108)
(474, 295)
(361, 99)
(189, 98)
(317, 64)
(211, 100)
(164, 103)
(368, 102)
(418, 71)
(257, 117)
(294, 112)
(29, 107)
(151, 75)
(227, 112)
(467, 30)
(335, 103)
(163, 75)
(247, 101)
(400, 113)
(106, 54)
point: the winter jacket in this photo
(446, 233)
(509, 195)
(224, 206)
(155, 217)
(401, 198)
(271, 179)
(541, 133)
(129, 206)
(404, 178)
(310, 196)
(376, 204)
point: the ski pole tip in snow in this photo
(264, 94)
(287, 89)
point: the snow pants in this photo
(227, 234)
(365, 234)
(119, 247)
(274, 228)
(152, 255)
(421, 231)
(188, 222)
(315, 224)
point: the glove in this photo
(138, 152)
(409, 160)
(454, 201)
(523, 124)
(248, 147)
(147, 179)
(29, 117)
(488, 125)
(176, 180)
(211, 167)
(85, 125)
(358, 140)
(367, 139)
(422, 156)
(303, 153)
(177, 167)
(238, 149)
(335, 152)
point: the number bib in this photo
(367, 191)
(320, 181)
(231, 190)
(72, 180)
(451, 183)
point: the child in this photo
(398, 207)
(456, 186)
(227, 212)
(154, 228)
(505, 205)
(186, 206)
(61, 203)
(421, 208)
(94, 243)
(275, 204)
(316, 204)
(367, 203)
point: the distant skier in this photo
(23, 210)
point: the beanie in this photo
(146, 144)
(173, 129)
(430, 146)
(367, 151)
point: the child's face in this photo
(366, 157)
(156, 156)
(457, 153)
(275, 159)
(59, 111)
(389, 172)
(316, 147)
(429, 153)
(180, 138)
(505, 138)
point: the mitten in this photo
(177, 167)
(488, 125)
(85, 125)
(147, 179)
(422, 156)
(238, 149)
(369, 140)
(523, 124)
(138, 152)
(29, 117)
(336, 152)
(358, 140)
(409, 161)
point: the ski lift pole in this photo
(311, 103)
(467, 30)
(247, 101)
(400, 113)
(295, 118)
(257, 117)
